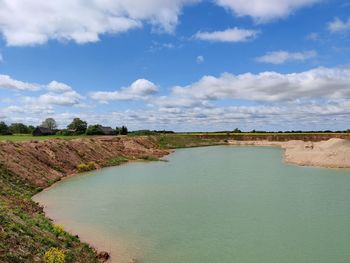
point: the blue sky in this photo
(185, 65)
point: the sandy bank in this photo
(334, 153)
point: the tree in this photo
(117, 130)
(31, 128)
(123, 130)
(237, 130)
(4, 129)
(78, 125)
(94, 130)
(49, 123)
(19, 128)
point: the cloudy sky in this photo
(184, 65)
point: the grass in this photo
(25, 233)
(179, 136)
(27, 137)
(116, 161)
(174, 141)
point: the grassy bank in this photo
(25, 233)
(174, 141)
(27, 137)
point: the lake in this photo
(219, 204)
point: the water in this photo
(210, 205)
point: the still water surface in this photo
(210, 205)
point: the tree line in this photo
(76, 127)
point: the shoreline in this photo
(333, 153)
(293, 153)
(42, 164)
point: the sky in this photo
(182, 65)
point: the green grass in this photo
(173, 141)
(26, 137)
(180, 136)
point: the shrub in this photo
(86, 167)
(54, 255)
(117, 161)
(58, 230)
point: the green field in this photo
(178, 138)
(27, 137)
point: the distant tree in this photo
(19, 128)
(78, 125)
(31, 128)
(49, 123)
(117, 130)
(237, 130)
(123, 130)
(4, 129)
(94, 130)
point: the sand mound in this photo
(333, 153)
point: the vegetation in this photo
(172, 141)
(26, 235)
(86, 167)
(121, 131)
(4, 129)
(55, 255)
(94, 130)
(117, 161)
(20, 128)
(78, 126)
(49, 123)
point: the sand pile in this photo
(334, 153)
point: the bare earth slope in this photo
(43, 162)
(334, 153)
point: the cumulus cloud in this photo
(138, 90)
(280, 57)
(330, 83)
(320, 96)
(263, 11)
(58, 86)
(338, 25)
(9, 83)
(230, 35)
(66, 98)
(37, 21)
(57, 93)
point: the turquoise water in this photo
(210, 205)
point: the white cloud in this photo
(230, 35)
(264, 10)
(138, 90)
(1, 58)
(315, 99)
(338, 25)
(9, 83)
(37, 21)
(200, 59)
(280, 57)
(57, 93)
(58, 86)
(66, 98)
(326, 83)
